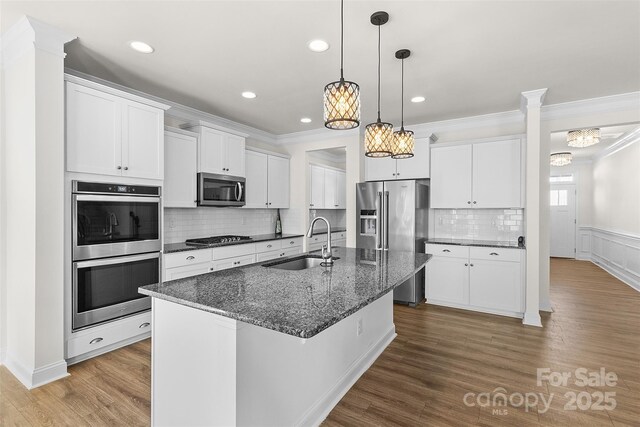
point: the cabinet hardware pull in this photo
(268, 246)
(190, 257)
(126, 168)
(291, 242)
(474, 202)
(118, 167)
(493, 253)
(446, 250)
(311, 204)
(269, 203)
(95, 340)
(266, 204)
(468, 202)
(211, 269)
(144, 325)
(471, 265)
(466, 265)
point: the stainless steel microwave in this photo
(220, 190)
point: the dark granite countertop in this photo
(471, 242)
(300, 303)
(182, 246)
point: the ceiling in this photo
(468, 57)
(608, 136)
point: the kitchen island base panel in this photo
(212, 370)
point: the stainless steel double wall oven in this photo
(116, 249)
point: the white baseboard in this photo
(317, 414)
(38, 377)
(532, 319)
(616, 252)
(107, 349)
(515, 314)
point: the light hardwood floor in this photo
(440, 355)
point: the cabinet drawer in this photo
(271, 245)
(187, 271)
(233, 262)
(339, 235)
(339, 242)
(292, 242)
(451, 251)
(266, 256)
(105, 335)
(318, 239)
(234, 251)
(495, 254)
(180, 259)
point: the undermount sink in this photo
(298, 263)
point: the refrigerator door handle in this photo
(386, 221)
(379, 217)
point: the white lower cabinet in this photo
(476, 278)
(179, 265)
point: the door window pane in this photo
(554, 198)
(562, 198)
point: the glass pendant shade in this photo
(560, 159)
(378, 139)
(583, 137)
(403, 144)
(342, 105)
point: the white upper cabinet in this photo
(480, 175)
(278, 182)
(220, 152)
(497, 174)
(341, 190)
(386, 168)
(267, 180)
(317, 187)
(257, 176)
(330, 184)
(181, 156)
(451, 177)
(107, 133)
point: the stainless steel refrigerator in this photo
(393, 215)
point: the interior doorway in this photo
(563, 220)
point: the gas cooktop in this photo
(216, 240)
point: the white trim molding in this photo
(604, 104)
(532, 99)
(37, 377)
(616, 252)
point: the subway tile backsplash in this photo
(503, 225)
(182, 224)
(336, 217)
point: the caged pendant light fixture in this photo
(378, 136)
(403, 141)
(342, 97)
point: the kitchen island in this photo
(260, 345)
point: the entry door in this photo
(563, 221)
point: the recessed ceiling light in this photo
(248, 95)
(318, 45)
(141, 47)
(305, 120)
(417, 99)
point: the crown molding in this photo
(323, 155)
(321, 134)
(532, 99)
(426, 130)
(622, 142)
(30, 33)
(189, 115)
(604, 104)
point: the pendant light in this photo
(378, 136)
(403, 141)
(342, 97)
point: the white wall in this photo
(616, 191)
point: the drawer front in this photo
(292, 242)
(318, 239)
(234, 251)
(291, 251)
(266, 256)
(111, 333)
(451, 251)
(179, 259)
(339, 242)
(496, 254)
(271, 245)
(187, 271)
(233, 262)
(340, 235)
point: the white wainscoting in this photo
(617, 253)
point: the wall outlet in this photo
(172, 223)
(359, 328)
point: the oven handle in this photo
(238, 191)
(115, 260)
(102, 198)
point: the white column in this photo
(531, 102)
(33, 201)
